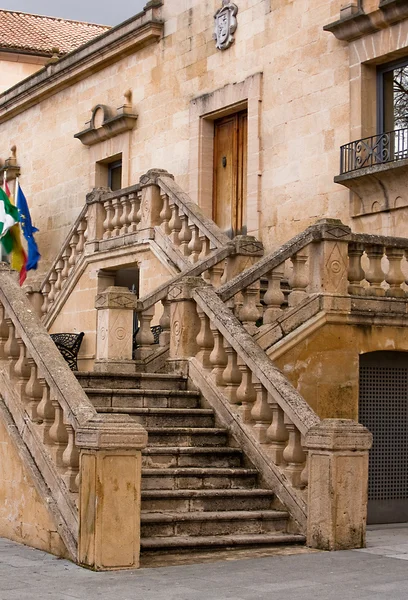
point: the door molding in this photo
(204, 110)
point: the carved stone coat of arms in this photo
(225, 25)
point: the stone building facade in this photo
(269, 116)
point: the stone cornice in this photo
(138, 32)
(359, 23)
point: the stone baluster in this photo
(194, 245)
(70, 460)
(218, 357)
(58, 433)
(250, 312)
(4, 331)
(145, 337)
(277, 434)
(355, 271)
(52, 293)
(294, 455)
(134, 199)
(11, 348)
(374, 274)
(116, 204)
(58, 282)
(395, 277)
(45, 411)
(124, 219)
(299, 279)
(184, 235)
(164, 339)
(216, 273)
(22, 370)
(81, 237)
(274, 297)
(304, 476)
(231, 374)
(65, 258)
(246, 394)
(205, 340)
(33, 390)
(205, 246)
(45, 293)
(261, 412)
(165, 214)
(73, 244)
(107, 224)
(174, 224)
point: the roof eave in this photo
(143, 29)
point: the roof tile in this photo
(39, 35)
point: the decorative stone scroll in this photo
(225, 24)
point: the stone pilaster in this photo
(114, 342)
(109, 492)
(337, 484)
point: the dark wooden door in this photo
(230, 172)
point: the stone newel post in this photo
(184, 321)
(114, 341)
(329, 259)
(338, 482)
(109, 492)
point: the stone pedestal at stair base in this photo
(338, 483)
(109, 493)
(114, 342)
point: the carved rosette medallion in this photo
(225, 24)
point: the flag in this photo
(28, 230)
(10, 233)
(8, 218)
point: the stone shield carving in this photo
(225, 24)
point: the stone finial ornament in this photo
(225, 24)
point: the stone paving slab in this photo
(378, 572)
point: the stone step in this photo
(167, 417)
(146, 381)
(161, 544)
(207, 500)
(140, 398)
(163, 458)
(198, 478)
(187, 436)
(212, 523)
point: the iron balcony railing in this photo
(374, 150)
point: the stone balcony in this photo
(375, 169)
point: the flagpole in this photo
(3, 255)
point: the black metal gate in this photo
(383, 409)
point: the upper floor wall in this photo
(15, 67)
(289, 75)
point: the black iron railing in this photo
(374, 150)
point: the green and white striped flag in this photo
(8, 214)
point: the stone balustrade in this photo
(271, 419)
(377, 266)
(64, 434)
(156, 209)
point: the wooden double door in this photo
(230, 173)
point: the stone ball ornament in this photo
(225, 25)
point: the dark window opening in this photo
(115, 175)
(393, 96)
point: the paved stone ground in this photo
(379, 572)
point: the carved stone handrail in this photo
(277, 385)
(51, 411)
(167, 184)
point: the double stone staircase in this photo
(199, 492)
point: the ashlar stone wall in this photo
(298, 116)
